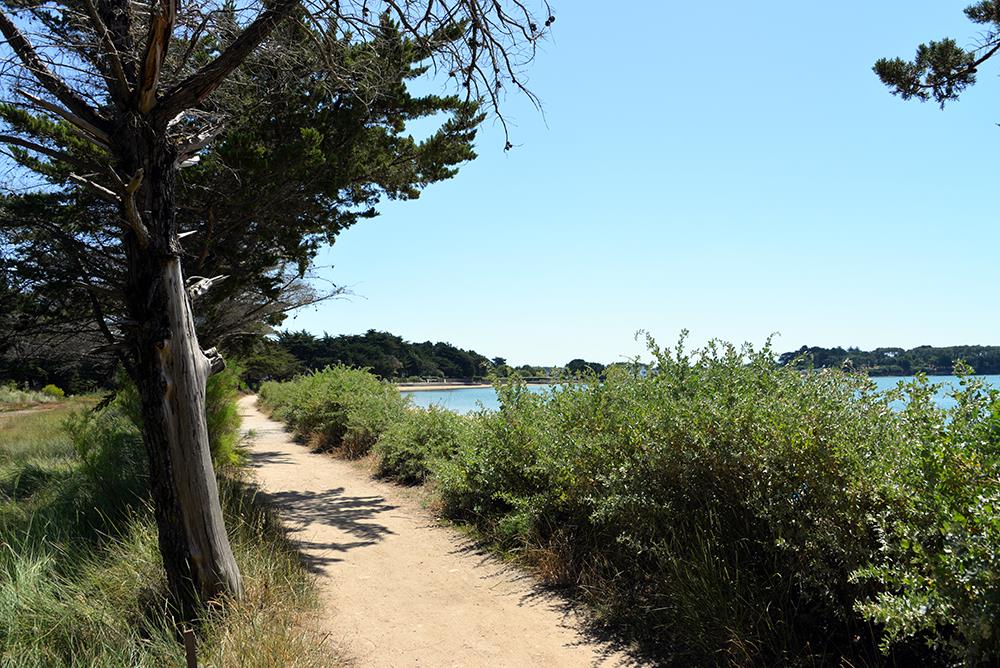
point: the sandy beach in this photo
(422, 387)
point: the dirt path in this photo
(35, 408)
(398, 589)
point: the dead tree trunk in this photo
(171, 373)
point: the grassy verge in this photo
(81, 581)
(13, 398)
(723, 510)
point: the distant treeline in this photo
(897, 361)
(388, 356)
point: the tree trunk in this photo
(171, 373)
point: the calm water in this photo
(467, 400)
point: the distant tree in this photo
(498, 361)
(267, 360)
(578, 366)
(941, 70)
(387, 355)
(896, 361)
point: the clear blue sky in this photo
(731, 168)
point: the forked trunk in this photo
(171, 373)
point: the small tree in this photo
(115, 99)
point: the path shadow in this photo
(259, 459)
(353, 516)
(607, 641)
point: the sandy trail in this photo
(400, 590)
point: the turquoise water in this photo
(950, 383)
(464, 400)
(467, 400)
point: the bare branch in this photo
(101, 191)
(198, 142)
(216, 363)
(200, 85)
(93, 132)
(120, 85)
(134, 182)
(132, 216)
(203, 285)
(160, 31)
(44, 150)
(29, 58)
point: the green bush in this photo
(53, 391)
(12, 397)
(717, 507)
(222, 414)
(109, 443)
(938, 574)
(339, 407)
(410, 447)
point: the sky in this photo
(730, 168)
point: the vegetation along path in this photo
(400, 590)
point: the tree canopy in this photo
(941, 70)
(897, 361)
(387, 355)
(285, 175)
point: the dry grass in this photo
(81, 582)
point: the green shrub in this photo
(53, 391)
(12, 397)
(339, 407)
(938, 574)
(717, 506)
(410, 447)
(109, 446)
(109, 441)
(720, 507)
(223, 415)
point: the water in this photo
(941, 398)
(464, 400)
(470, 399)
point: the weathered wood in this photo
(101, 191)
(201, 286)
(160, 30)
(190, 648)
(171, 374)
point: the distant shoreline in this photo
(429, 387)
(426, 387)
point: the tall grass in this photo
(81, 582)
(12, 398)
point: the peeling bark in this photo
(171, 374)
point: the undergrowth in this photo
(81, 581)
(13, 398)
